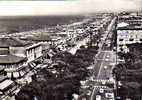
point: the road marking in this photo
(97, 78)
(101, 66)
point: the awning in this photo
(22, 73)
(15, 74)
(9, 75)
(32, 64)
(21, 67)
(5, 84)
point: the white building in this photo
(128, 37)
(33, 52)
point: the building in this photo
(40, 47)
(129, 31)
(19, 48)
(33, 52)
(16, 54)
(12, 64)
(15, 46)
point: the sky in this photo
(66, 7)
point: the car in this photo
(109, 95)
(112, 64)
(106, 59)
(107, 56)
(118, 98)
(89, 93)
(108, 41)
(101, 90)
(105, 67)
(98, 97)
(103, 82)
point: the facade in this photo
(16, 54)
(125, 37)
(40, 45)
(13, 65)
(16, 47)
(33, 52)
(129, 31)
(19, 48)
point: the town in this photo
(98, 58)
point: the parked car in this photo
(98, 97)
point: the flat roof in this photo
(9, 41)
(39, 38)
(10, 59)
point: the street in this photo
(102, 66)
(102, 69)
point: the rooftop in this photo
(10, 59)
(3, 45)
(5, 42)
(129, 23)
(128, 26)
(39, 38)
(5, 84)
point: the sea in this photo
(14, 24)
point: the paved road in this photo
(100, 62)
(104, 58)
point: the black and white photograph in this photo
(70, 49)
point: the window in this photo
(131, 39)
(121, 45)
(120, 39)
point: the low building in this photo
(12, 64)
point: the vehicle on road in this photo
(101, 90)
(109, 95)
(107, 56)
(103, 82)
(89, 92)
(98, 97)
(105, 67)
(106, 59)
